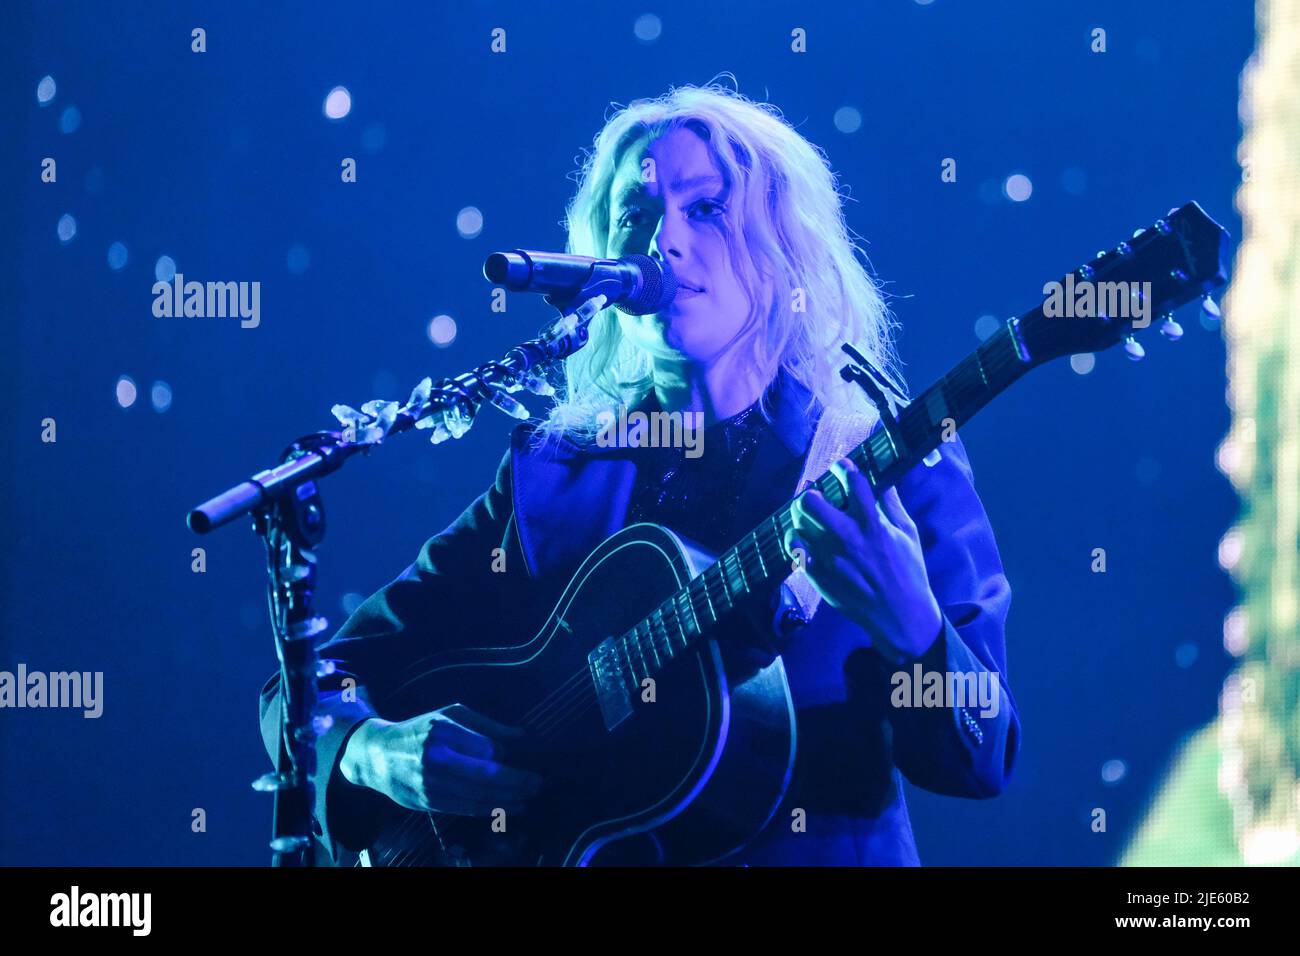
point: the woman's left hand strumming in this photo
(866, 561)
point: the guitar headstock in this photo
(1130, 288)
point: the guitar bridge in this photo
(608, 673)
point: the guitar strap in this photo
(837, 433)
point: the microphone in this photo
(637, 285)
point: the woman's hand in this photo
(443, 761)
(866, 561)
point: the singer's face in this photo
(669, 201)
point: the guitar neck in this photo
(761, 558)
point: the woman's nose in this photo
(665, 243)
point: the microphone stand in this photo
(289, 515)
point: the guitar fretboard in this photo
(761, 558)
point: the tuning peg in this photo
(1133, 349)
(1210, 307)
(1171, 329)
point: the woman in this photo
(747, 214)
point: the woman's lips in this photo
(685, 292)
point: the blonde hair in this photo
(786, 205)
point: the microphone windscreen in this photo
(657, 290)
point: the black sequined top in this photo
(698, 496)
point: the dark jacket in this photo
(548, 510)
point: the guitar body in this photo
(692, 773)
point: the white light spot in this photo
(67, 228)
(848, 119)
(1083, 363)
(298, 259)
(986, 325)
(1113, 771)
(117, 256)
(45, 90)
(469, 222)
(1228, 457)
(164, 270)
(338, 103)
(126, 391)
(1230, 546)
(1018, 188)
(648, 27)
(70, 120)
(442, 330)
(161, 396)
(1236, 635)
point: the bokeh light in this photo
(986, 325)
(442, 330)
(647, 28)
(848, 119)
(117, 256)
(338, 103)
(161, 396)
(45, 90)
(1018, 188)
(70, 121)
(126, 392)
(164, 270)
(67, 227)
(469, 222)
(1083, 363)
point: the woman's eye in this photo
(628, 219)
(711, 207)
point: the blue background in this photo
(224, 161)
